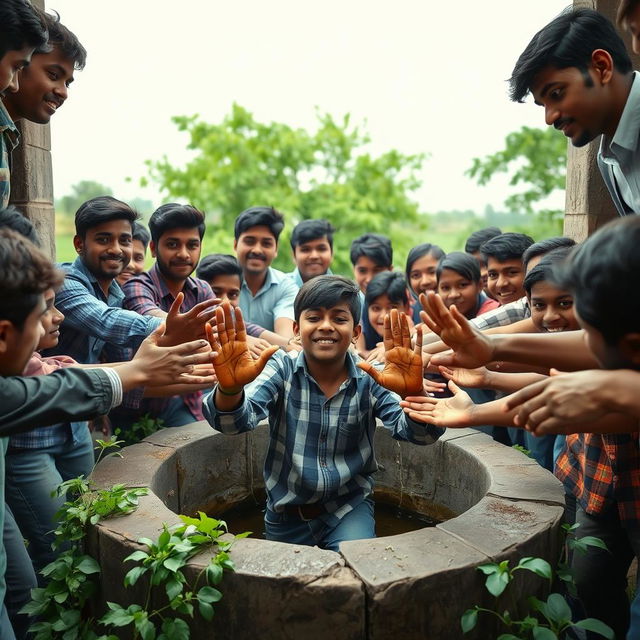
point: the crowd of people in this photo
(535, 343)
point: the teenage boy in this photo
(473, 244)
(371, 253)
(312, 246)
(140, 241)
(21, 32)
(322, 412)
(266, 294)
(578, 69)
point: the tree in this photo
(81, 192)
(326, 174)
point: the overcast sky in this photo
(425, 76)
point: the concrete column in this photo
(588, 204)
(32, 177)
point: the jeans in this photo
(634, 628)
(358, 524)
(32, 475)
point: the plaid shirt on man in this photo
(504, 315)
(603, 471)
(9, 138)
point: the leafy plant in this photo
(139, 430)
(548, 619)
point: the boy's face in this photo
(256, 249)
(483, 269)
(10, 65)
(581, 112)
(504, 280)
(326, 334)
(607, 356)
(456, 289)
(106, 249)
(177, 253)
(226, 287)
(43, 87)
(18, 345)
(633, 26)
(51, 321)
(136, 266)
(313, 258)
(422, 276)
(363, 271)
(552, 308)
(379, 308)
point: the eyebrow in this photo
(61, 70)
(545, 90)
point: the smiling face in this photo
(226, 286)
(505, 280)
(256, 249)
(422, 276)
(363, 271)
(11, 64)
(177, 253)
(379, 308)
(136, 266)
(51, 321)
(326, 334)
(552, 308)
(313, 258)
(44, 87)
(455, 288)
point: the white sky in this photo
(426, 76)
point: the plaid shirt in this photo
(321, 449)
(9, 139)
(148, 292)
(603, 472)
(502, 316)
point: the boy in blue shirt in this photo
(322, 412)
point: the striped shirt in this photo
(9, 138)
(320, 449)
(503, 316)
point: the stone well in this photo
(411, 585)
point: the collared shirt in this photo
(147, 292)
(93, 320)
(504, 315)
(274, 300)
(621, 153)
(9, 138)
(296, 278)
(603, 472)
(320, 449)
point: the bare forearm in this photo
(283, 327)
(174, 390)
(510, 382)
(274, 338)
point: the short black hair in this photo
(64, 40)
(546, 269)
(568, 41)
(506, 246)
(313, 229)
(100, 210)
(463, 263)
(11, 218)
(175, 216)
(21, 25)
(424, 249)
(326, 292)
(218, 264)
(478, 238)
(374, 246)
(390, 283)
(259, 217)
(603, 273)
(141, 233)
(545, 246)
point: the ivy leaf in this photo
(543, 633)
(175, 629)
(174, 564)
(209, 594)
(136, 556)
(206, 610)
(133, 575)
(173, 588)
(496, 583)
(558, 608)
(214, 573)
(592, 541)
(469, 620)
(596, 626)
(537, 565)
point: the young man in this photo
(473, 244)
(578, 69)
(224, 275)
(139, 244)
(371, 253)
(322, 412)
(312, 246)
(266, 294)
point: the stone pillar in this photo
(32, 177)
(588, 204)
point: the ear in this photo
(296, 329)
(629, 347)
(78, 244)
(235, 244)
(152, 248)
(6, 331)
(602, 64)
(357, 330)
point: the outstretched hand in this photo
(234, 364)
(456, 411)
(402, 371)
(184, 327)
(471, 348)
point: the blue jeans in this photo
(358, 524)
(634, 629)
(32, 475)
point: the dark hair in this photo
(390, 283)
(546, 269)
(259, 217)
(568, 41)
(545, 246)
(175, 216)
(425, 249)
(21, 26)
(463, 263)
(25, 274)
(374, 246)
(100, 210)
(326, 292)
(314, 229)
(218, 264)
(603, 273)
(11, 218)
(625, 8)
(141, 233)
(64, 40)
(506, 246)
(478, 238)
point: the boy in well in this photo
(322, 412)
